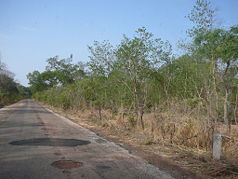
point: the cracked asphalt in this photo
(37, 143)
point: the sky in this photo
(31, 31)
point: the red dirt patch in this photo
(66, 164)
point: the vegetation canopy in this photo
(143, 86)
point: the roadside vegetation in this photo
(10, 91)
(139, 88)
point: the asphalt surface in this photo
(37, 143)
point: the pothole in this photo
(66, 164)
(51, 142)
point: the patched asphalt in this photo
(36, 143)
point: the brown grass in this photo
(180, 137)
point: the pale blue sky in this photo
(33, 30)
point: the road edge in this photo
(170, 169)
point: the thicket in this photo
(181, 100)
(10, 91)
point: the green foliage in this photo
(202, 16)
(102, 58)
(10, 91)
(57, 73)
(140, 73)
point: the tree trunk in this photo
(235, 109)
(100, 112)
(140, 121)
(225, 117)
(214, 95)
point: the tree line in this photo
(141, 75)
(10, 90)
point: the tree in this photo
(137, 58)
(65, 72)
(220, 48)
(36, 81)
(202, 15)
(102, 58)
(57, 73)
(9, 89)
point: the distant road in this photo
(36, 143)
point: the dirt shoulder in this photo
(180, 162)
(152, 158)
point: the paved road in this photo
(36, 143)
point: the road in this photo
(37, 143)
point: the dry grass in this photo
(180, 137)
